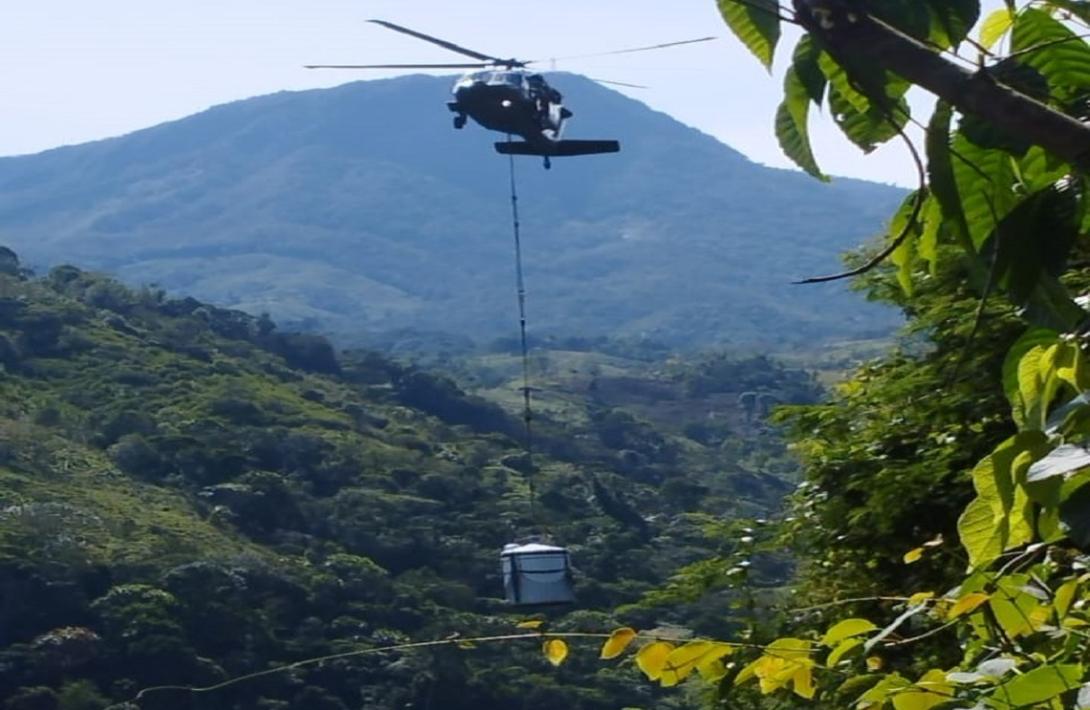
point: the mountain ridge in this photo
(357, 208)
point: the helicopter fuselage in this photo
(510, 101)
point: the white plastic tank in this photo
(536, 574)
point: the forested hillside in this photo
(360, 209)
(188, 494)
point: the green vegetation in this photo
(188, 495)
(973, 429)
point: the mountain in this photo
(358, 208)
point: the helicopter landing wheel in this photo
(460, 121)
(548, 163)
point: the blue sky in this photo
(76, 71)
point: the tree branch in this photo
(844, 28)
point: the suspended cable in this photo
(520, 283)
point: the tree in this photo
(988, 253)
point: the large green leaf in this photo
(1000, 517)
(1013, 608)
(978, 533)
(1078, 8)
(1052, 49)
(984, 132)
(868, 129)
(1034, 240)
(802, 83)
(792, 130)
(1075, 515)
(909, 16)
(756, 23)
(1030, 340)
(951, 20)
(983, 177)
(904, 256)
(805, 62)
(1037, 686)
(940, 173)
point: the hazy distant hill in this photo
(360, 208)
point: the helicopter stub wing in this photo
(558, 149)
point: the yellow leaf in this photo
(711, 666)
(617, 642)
(929, 691)
(919, 598)
(966, 604)
(913, 555)
(530, 624)
(1064, 596)
(652, 657)
(838, 653)
(555, 651)
(874, 663)
(846, 629)
(995, 26)
(684, 660)
(803, 682)
(789, 648)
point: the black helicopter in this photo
(504, 96)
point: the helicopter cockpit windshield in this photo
(513, 79)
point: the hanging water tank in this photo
(536, 574)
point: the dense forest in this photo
(190, 495)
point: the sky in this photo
(76, 71)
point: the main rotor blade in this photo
(480, 65)
(633, 49)
(435, 40)
(618, 83)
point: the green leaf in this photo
(940, 169)
(1034, 240)
(953, 19)
(1016, 612)
(1053, 50)
(904, 256)
(983, 177)
(1075, 516)
(984, 132)
(979, 534)
(930, 690)
(928, 247)
(1032, 338)
(995, 26)
(863, 86)
(841, 650)
(909, 16)
(807, 68)
(867, 130)
(1078, 8)
(792, 129)
(1038, 685)
(1000, 517)
(756, 23)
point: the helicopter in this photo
(504, 95)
